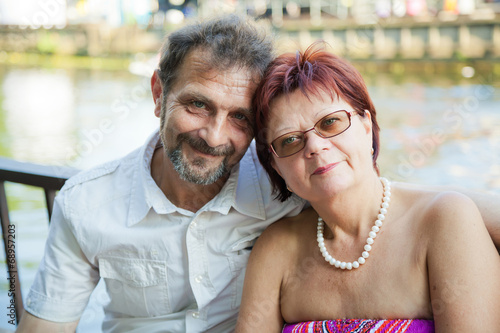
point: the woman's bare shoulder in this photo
(432, 210)
(436, 210)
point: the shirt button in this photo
(199, 278)
(196, 315)
(28, 301)
(192, 225)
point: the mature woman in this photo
(368, 256)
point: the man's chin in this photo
(199, 168)
(198, 174)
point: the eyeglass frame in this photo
(349, 114)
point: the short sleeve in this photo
(65, 278)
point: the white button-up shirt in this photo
(165, 269)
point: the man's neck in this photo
(181, 193)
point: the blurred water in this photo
(436, 129)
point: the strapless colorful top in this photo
(362, 326)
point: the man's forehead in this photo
(199, 62)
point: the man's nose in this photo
(215, 132)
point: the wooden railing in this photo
(51, 179)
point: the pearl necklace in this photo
(369, 242)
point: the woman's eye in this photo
(329, 121)
(199, 104)
(288, 141)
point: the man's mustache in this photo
(202, 146)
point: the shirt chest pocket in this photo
(136, 287)
(238, 258)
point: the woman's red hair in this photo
(313, 71)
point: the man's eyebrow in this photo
(193, 95)
(246, 111)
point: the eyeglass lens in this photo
(332, 124)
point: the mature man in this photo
(170, 226)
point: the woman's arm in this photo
(260, 306)
(463, 267)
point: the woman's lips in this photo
(325, 169)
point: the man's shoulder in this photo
(102, 172)
(252, 173)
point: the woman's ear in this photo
(367, 121)
(157, 90)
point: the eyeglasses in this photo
(332, 124)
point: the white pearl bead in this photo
(337, 263)
(369, 240)
(385, 205)
(375, 228)
(343, 265)
(328, 257)
(386, 199)
(320, 219)
(348, 266)
(383, 211)
(378, 223)
(368, 247)
(365, 254)
(381, 217)
(372, 234)
(355, 264)
(361, 260)
(320, 238)
(332, 261)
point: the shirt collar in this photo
(248, 199)
(241, 191)
(142, 184)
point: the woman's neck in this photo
(354, 210)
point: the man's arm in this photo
(32, 324)
(64, 281)
(488, 204)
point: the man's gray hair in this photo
(230, 41)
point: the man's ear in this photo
(157, 90)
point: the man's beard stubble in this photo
(187, 171)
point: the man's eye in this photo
(240, 116)
(199, 105)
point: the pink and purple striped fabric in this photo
(362, 326)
